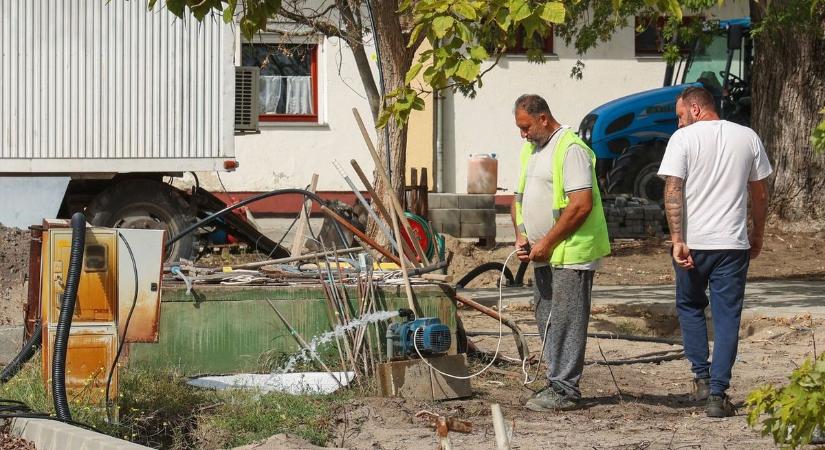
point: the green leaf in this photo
(468, 70)
(519, 10)
(479, 53)
(415, 33)
(465, 10)
(503, 19)
(553, 12)
(229, 12)
(441, 25)
(152, 3)
(176, 7)
(412, 73)
(418, 104)
(383, 118)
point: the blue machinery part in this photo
(428, 334)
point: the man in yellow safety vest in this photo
(560, 227)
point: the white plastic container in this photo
(482, 174)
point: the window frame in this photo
(315, 42)
(521, 49)
(658, 27)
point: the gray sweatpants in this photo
(563, 294)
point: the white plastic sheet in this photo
(290, 383)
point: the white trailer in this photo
(100, 100)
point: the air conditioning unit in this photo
(246, 99)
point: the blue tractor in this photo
(629, 134)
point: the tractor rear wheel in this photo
(635, 172)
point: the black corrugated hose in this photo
(64, 324)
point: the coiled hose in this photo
(64, 324)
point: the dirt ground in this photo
(647, 407)
(785, 255)
(14, 266)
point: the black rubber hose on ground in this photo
(64, 323)
(471, 275)
(29, 349)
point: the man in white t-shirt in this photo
(709, 167)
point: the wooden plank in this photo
(298, 242)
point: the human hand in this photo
(756, 245)
(522, 247)
(681, 254)
(540, 252)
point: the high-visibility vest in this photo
(590, 241)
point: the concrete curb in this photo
(48, 434)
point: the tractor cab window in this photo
(707, 64)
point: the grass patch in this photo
(158, 409)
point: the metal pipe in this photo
(521, 342)
(439, 142)
(33, 300)
(366, 205)
(360, 235)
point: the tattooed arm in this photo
(674, 208)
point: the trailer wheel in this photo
(635, 172)
(145, 204)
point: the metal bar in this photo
(360, 235)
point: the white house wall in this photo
(287, 154)
(485, 124)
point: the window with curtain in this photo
(545, 44)
(289, 80)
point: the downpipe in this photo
(64, 324)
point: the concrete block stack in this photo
(464, 215)
(632, 217)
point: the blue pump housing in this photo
(428, 334)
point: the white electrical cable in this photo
(500, 332)
(498, 344)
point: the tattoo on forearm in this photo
(674, 205)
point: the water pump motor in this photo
(428, 334)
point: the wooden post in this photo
(393, 198)
(298, 242)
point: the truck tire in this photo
(145, 204)
(635, 172)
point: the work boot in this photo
(719, 406)
(548, 399)
(701, 389)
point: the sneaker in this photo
(719, 406)
(701, 389)
(548, 399)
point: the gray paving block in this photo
(478, 230)
(652, 211)
(438, 216)
(634, 212)
(481, 216)
(442, 201)
(451, 228)
(477, 201)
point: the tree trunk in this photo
(789, 91)
(395, 60)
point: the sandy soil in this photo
(785, 255)
(648, 405)
(14, 266)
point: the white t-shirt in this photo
(717, 159)
(537, 203)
